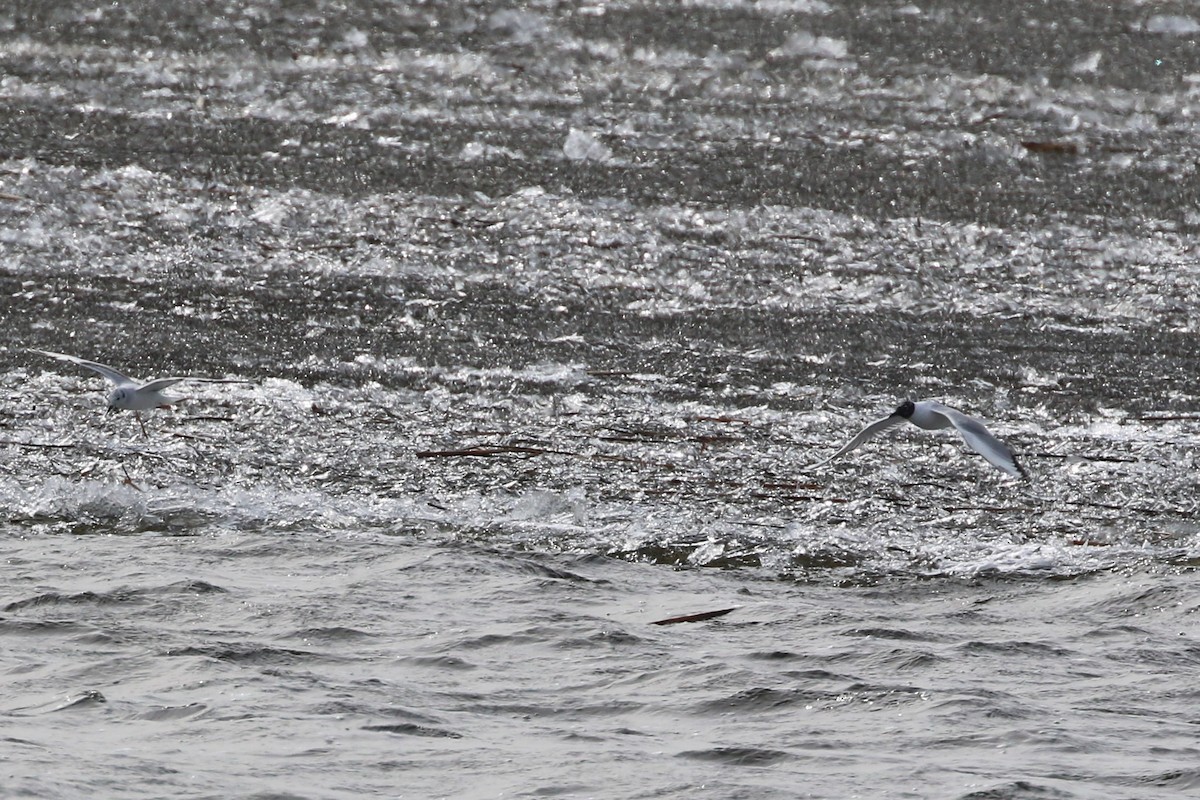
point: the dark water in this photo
(548, 309)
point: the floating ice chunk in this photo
(1087, 65)
(583, 146)
(539, 504)
(767, 6)
(1031, 557)
(480, 151)
(271, 211)
(793, 7)
(356, 39)
(520, 26)
(553, 373)
(805, 44)
(709, 551)
(349, 119)
(1172, 25)
(999, 150)
(528, 193)
(133, 173)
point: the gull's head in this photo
(905, 410)
(119, 398)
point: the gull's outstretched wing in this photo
(980, 439)
(108, 372)
(867, 433)
(159, 384)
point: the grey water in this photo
(546, 310)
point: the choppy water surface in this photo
(547, 308)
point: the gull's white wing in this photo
(867, 433)
(980, 439)
(158, 384)
(108, 372)
(162, 383)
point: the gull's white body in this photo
(935, 416)
(127, 394)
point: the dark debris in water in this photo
(701, 616)
(738, 756)
(253, 654)
(412, 729)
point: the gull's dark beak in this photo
(110, 410)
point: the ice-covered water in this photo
(548, 307)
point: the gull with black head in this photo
(931, 415)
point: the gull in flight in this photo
(129, 395)
(935, 416)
